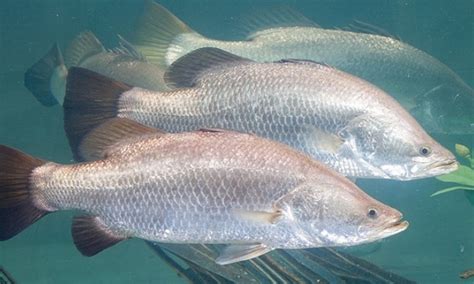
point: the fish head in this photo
(446, 108)
(340, 214)
(398, 148)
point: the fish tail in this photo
(91, 99)
(156, 30)
(17, 207)
(40, 78)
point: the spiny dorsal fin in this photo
(304, 62)
(82, 46)
(275, 17)
(127, 49)
(98, 143)
(236, 253)
(366, 28)
(187, 70)
(92, 236)
(156, 30)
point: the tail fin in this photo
(82, 46)
(156, 30)
(41, 78)
(91, 99)
(17, 209)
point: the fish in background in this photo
(46, 79)
(420, 82)
(336, 118)
(208, 186)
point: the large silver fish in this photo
(421, 83)
(336, 118)
(201, 187)
(46, 79)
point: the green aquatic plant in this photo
(464, 176)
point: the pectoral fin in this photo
(326, 141)
(236, 253)
(259, 216)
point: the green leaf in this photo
(449, 189)
(462, 150)
(464, 175)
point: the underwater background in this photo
(438, 245)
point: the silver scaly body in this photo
(186, 188)
(336, 118)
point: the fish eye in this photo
(425, 151)
(372, 213)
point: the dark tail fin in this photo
(38, 77)
(91, 99)
(17, 208)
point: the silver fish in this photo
(202, 187)
(46, 79)
(343, 121)
(421, 83)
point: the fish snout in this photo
(443, 167)
(394, 225)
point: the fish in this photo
(420, 82)
(46, 79)
(204, 187)
(336, 118)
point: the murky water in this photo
(439, 243)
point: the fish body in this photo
(336, 118)
(421, 83)
(203, 187)
(46, 79)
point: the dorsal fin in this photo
(187, 70)
(366, 28)
(126, 48)
(82, 46)
(304, 62)
(275, 17)
(98, 143)
(213, 130)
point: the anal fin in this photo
(236, 253)
(92, 236)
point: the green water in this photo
(439, 243)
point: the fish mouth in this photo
(444, 167)
(394, 227)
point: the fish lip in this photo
(395, 226)
(451, 164)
